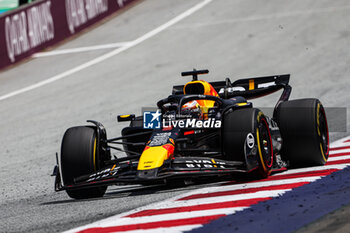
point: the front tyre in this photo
(80, 156)
(238, 127)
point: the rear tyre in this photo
(304, 130)
(242, 124)
(80, 156)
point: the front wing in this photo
(175, 168)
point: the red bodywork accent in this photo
(189, 132)
(167, 128)
(170, 148)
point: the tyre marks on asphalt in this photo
(199, 207)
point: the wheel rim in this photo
(322, 132)
(264, 144)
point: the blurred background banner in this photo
(7, 5)
(43, 23)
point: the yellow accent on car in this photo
(205, 85)
(124, 116)
(241, 104)
(251, 84)
(153, 157)
(213, 161)
(258, 142)
(318, 120)
(94, 155)
(259, 149)
(322, 152)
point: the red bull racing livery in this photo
(203, 129)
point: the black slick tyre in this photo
(304, 130)
(79, 156)
(240, 124)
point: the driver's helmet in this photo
(200, 87)
(192, 108)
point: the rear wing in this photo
(249, 88)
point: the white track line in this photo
(268, 17)
(115, 220)
(168, 229)
(249, 185)
(332, 152)
(110, 54)
(220, 199)
(309, 169)
(339, 158)
(178, 229)
(81, 49)
(341, 142)
(122, 220)
(223, 188)
(173, 216)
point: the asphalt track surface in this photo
(235, 39)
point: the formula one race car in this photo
(203, 129)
